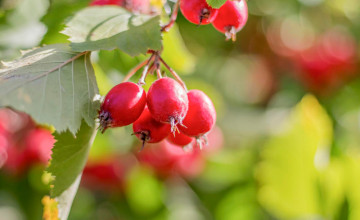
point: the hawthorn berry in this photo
(148, 130)
(198, 11)
(167, 159)
(107, 2)
(39, 143)
(122, 105)
(142, 6)
(180, 139)
(201, 115)
(328, 63)
(167, 101)
(231, 18)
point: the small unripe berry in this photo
(198, 11)
(201, 115)
(180, 139)
(122, 105)
(167, 101)
(231, 18)
(147, 129)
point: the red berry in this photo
(107, 2)
(122, 105)
(142, 6)
(107, 174)
(167, 101)
(180, 139)
(167, 159)
(39, 143)
(231, 18)
(198, 11)
(329, 62)
(147, 129)
(201, 115)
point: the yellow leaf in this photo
(291, 160)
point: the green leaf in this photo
(110, 27)
(216, 3)
(291, 160)
(69, 157)
(53, 84)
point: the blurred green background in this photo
(287, 142)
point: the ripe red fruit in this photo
(39, 143)
(167, 159)
(329, 63)
(147, 129)
(180, 139)
(34, 148)
(107, 174)
(122, 105)
(107, 2)
(167, 101)
(142, 6)
(201, 115)
(198, 11)
(231, 18)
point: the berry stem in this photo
(173, 17)
(158, 73)
(145, 72)
(175, 75)
(134, 70)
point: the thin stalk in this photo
(134, 70)
(173, 17)
(175, 75)
(158, 73)
(144, 73)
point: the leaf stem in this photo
(173, 17)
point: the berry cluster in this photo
(228, 19)
(22, 143)
(168, 109)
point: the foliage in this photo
(290, 152)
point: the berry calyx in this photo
(201, 115)
(122, 105)
(198, 11)
(168, 102)
(180, 139)
(148, 130)
(231, 18)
